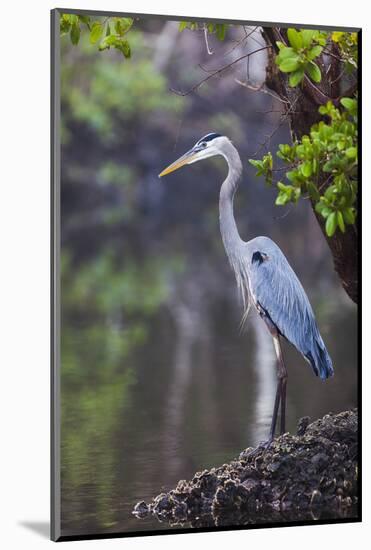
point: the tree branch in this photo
(218, 72)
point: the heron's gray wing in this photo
(277, 290)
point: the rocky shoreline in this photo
(310, 475)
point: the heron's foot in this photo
(263, 446)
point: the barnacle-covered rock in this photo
(310, 475)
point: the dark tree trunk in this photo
(301, 106)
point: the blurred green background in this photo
(157, 381)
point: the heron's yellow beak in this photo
(185, 159)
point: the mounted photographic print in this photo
(205, 230)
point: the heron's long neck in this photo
(231, 238)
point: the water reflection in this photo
(190, 324)
(152, 398)
(233, 518)
(264, 364)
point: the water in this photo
(152, 400)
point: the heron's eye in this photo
(203, 144)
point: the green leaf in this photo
(326, 211)
(330, 192)
(256, 163)
(65, 17)
(351, 152)
(306, 169)
(220, 31)
(336, 36)
(123, 24)
(107, 42)
(327, 167)
(285, 152)
(118, 27)
(348, 103)
(340, 221)
(324, 109)
(331, 224)
(321, 37)
(340, 145)
(307, 36)
(296, 77)
(282, 187)
(182, 25)
(348, 215)
(268, 161)
(292, 175)
(96, 32)
(85, 19)
(314, 71)
(282, 199)
(289, 64)
(65, 24)
(297, 193)
(295, 39)
(75, 33)
(322, 208)
(314, 52)
(124, 47)
(286, 52)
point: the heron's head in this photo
(208, 146)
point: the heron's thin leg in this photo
(280, 399)
(283, 406)
(282, 376)
(275, 410)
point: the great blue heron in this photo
(264, 277)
